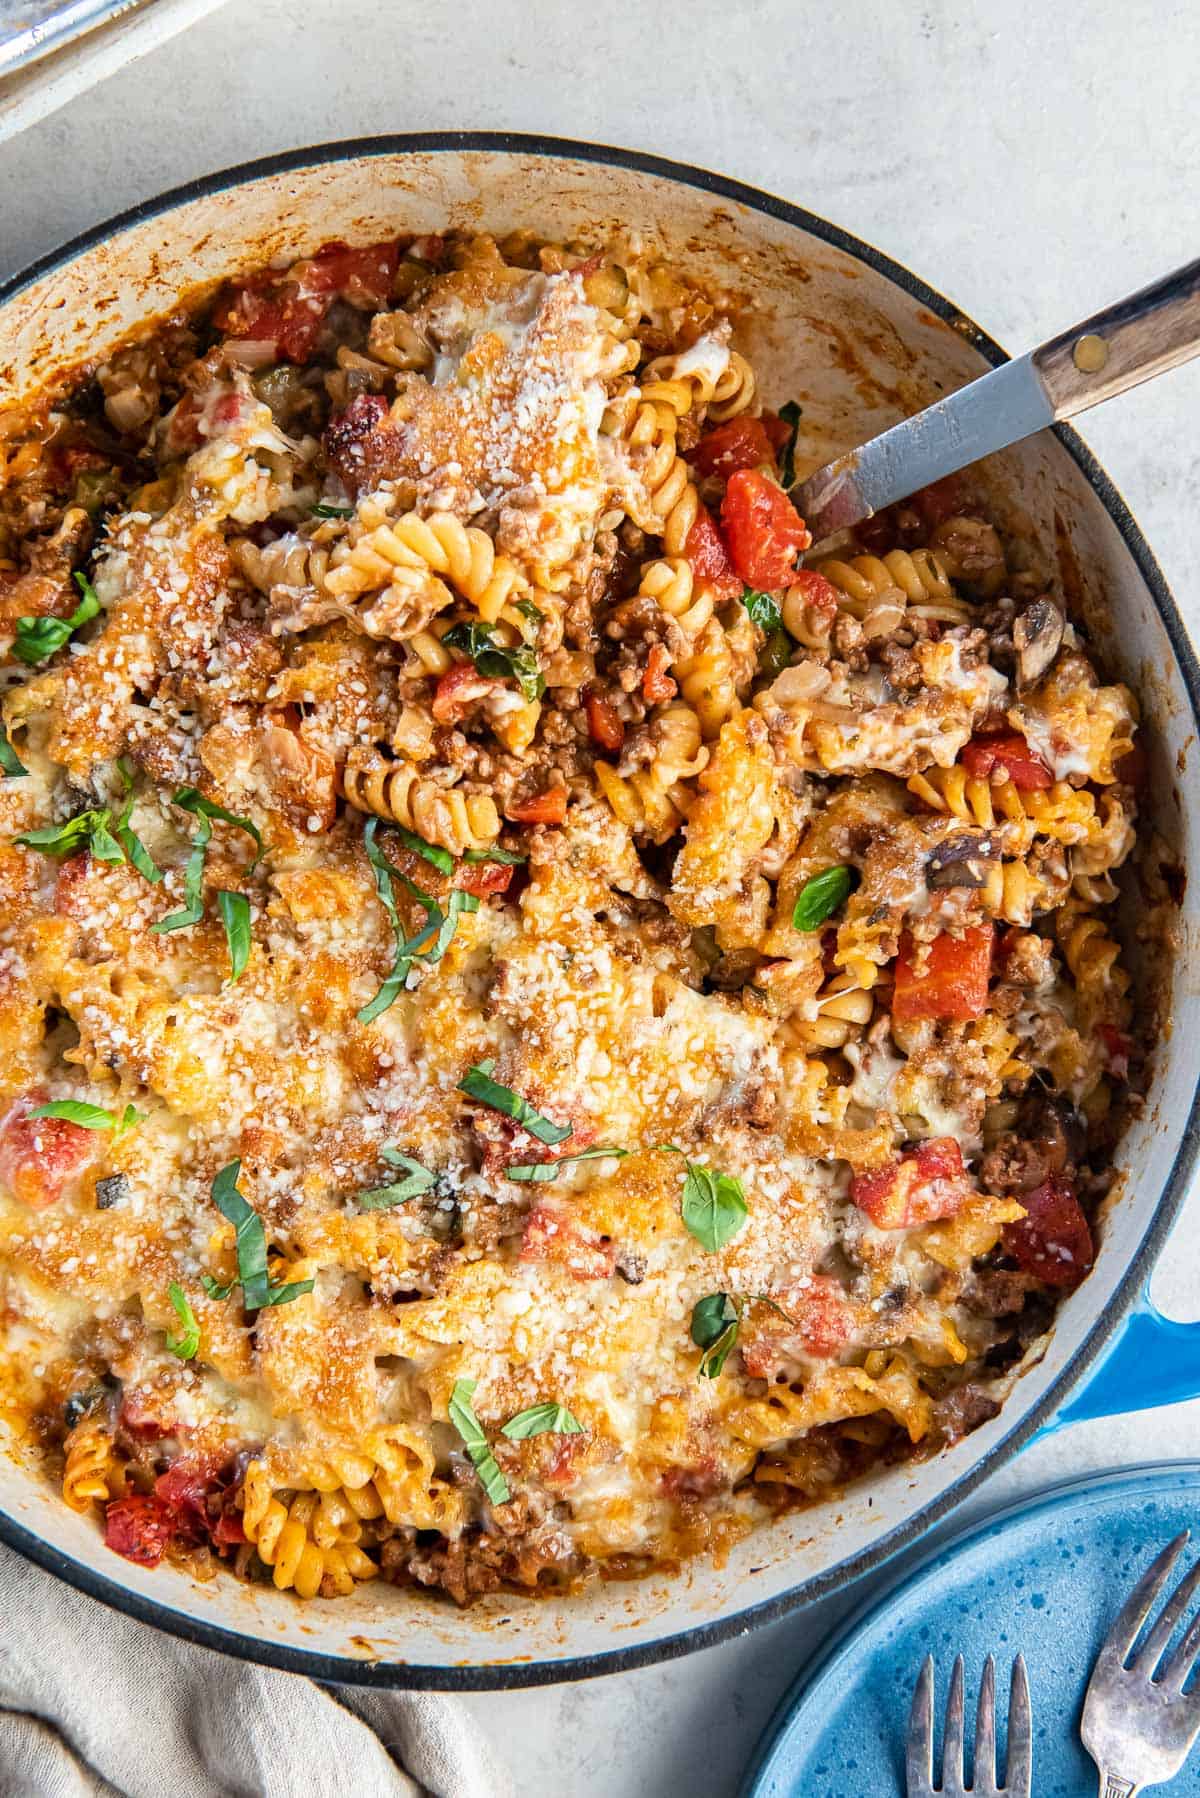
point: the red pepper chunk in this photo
(741, 443)
(139, 1528)
(657, 684)
(819, 593)
(551, 1234)
(1009, 751)
(482, 878)
(39, 1157)
(711, 567)
(953, 981)
(926, 1184)
(1052, 1242)
(604, 725)
(764, 533)
(549, 807)
(458, 690)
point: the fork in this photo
(1018, 1769)
(1139, 1730)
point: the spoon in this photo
(1144, 335)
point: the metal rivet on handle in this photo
(1090, 354)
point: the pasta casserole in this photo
(539, 1027)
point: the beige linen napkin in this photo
(94, 1705)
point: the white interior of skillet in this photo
(805, 302)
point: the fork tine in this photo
(1018, 1756)
(1176, 1671)
(918, 1757)
(984, 1777)
(1123, 1634)
(952, 1742)
(1154, 1647)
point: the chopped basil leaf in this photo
(528, 610)
(550, 1170)
(188, 1340)
(214, 1289)
(713, 1207)
(193, 884)
(821, 896)
(549, 1419)
(429, 944)
(235, 916)
(437, 858)
(62, 839)
(10, 761)
(200, 807)
(418, 1179)
(135, 850)
(715, 1322)
(494, 660)
(462, 1416)
(251, 1243)
(763, 610)
(38, 638)
(325, 510)
(790, 414)
(477, 1083)
(509, 857)
(89, 1117)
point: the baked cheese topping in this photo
(537, 1030)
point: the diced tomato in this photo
(764, 533)
(482, 878)
(548, 807)
(551, 1234)
(657, 685)
(196, 1491)
(458, 690)
(698, 1481)
(818, 593)
(1009, 751)
(363, 276)
(778, 430)
(742, 443)
(1116, 1046)
(927, 1183)
(711, 567)
(558, 1464)
(147, 1414)
(1052, 1241)
(357, 442)
(953, 981)
(818, 1323)
(139, 1528)
(604, 725)
(228, 1531)
(288, 310)
(75, 890)
(39, 1157)
(939, 501)
(186, 1484)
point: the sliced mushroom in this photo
(1037, 637)
(963, 860)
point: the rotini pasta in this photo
(462, 853)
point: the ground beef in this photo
(518, 1549)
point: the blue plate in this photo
(1046, 1577)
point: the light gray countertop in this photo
(1033, 161)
